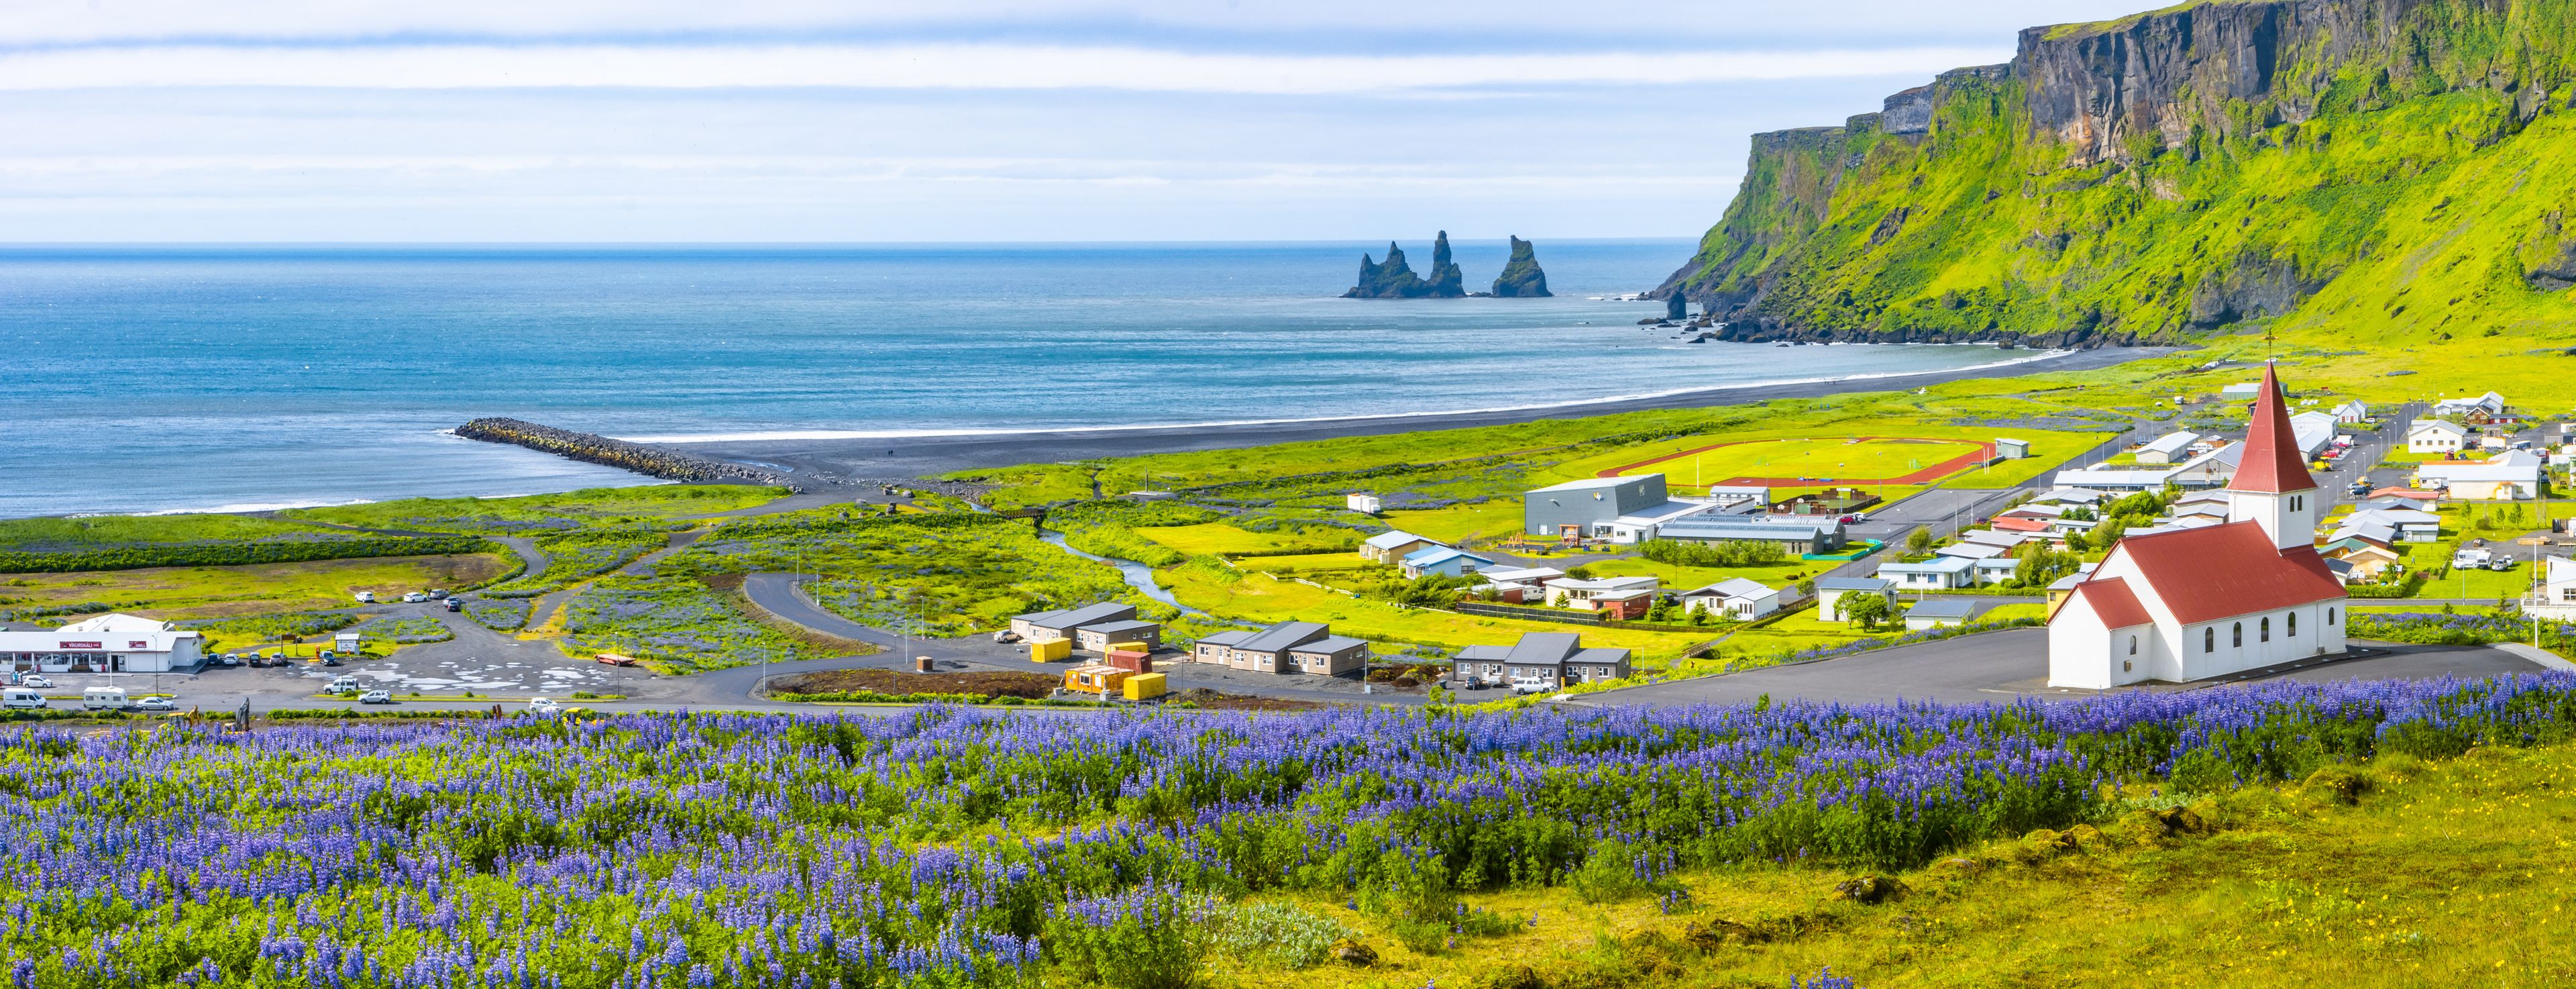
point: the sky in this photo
(939, 120)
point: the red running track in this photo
(1985, 451)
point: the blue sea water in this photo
(229, 377)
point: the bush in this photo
(1274, 935)
(241, 554)
(1150, 937)
(1731, 554)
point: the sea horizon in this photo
(192, 372)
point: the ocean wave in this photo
(784, 435)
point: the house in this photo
(1099, 637)
(2555, 598)
(2405, 524)
(2315, 431)
(2207, 470)
(1939, 612)
(2366, 558)
(1830, 591)
(2507, 477)
(1517, 585)
(2168, 448)
(1994, 570)
(1546, 660)
(1585, 509)
(111, 643)
(1972, 551)
(1395, 544)
(2247, 390)
(1937, 573)
(2352, 412)
(2071, 497)
(1441, 561)
(2475, 411)
(1618, 597)
(2377, 532)
(1813, 535)
(1993, 537)
(1734, 597)
(2422, 499)
(2012, 449)
(2193, 604)
(2022, 524)
(2435, 436)
(1288, 647)
(1041, 625)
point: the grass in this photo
(674, 624)
(222, 592)
(951, 573)
(1460, 523)
(1307, 563)
(39, 535)
(1823, 458)
(1680, 578)
(2441, 874)
(1219, 538)
(531, 514)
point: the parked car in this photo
(438, 593)
(1006, 636)
(330, 660)
(366, 597)
(455, 604)
(156, 704)
(227, 660)
(35, 680)
(1533, 687)
(343, 685)
(376, 697)
(415, 597)
(544, 706)
(21, 697)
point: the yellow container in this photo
(1144, 686)
(1050, 650)
(1130, 647)
(1093, 678)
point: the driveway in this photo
(2002, 666)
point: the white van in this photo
(366, 597)
(103, 698)
(21, 697)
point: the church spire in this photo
(2271, 464)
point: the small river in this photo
(1138, 575)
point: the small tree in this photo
(1868, 609)
(1919, 540)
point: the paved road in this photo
(2003, 666)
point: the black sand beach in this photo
(924, 456)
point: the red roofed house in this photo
(2191, 604)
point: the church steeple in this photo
(2272, 485)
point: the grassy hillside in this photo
(2401, 184)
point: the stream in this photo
(1138, 575)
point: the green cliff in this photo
(1521, 277)
(2391, 170)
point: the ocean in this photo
(190, 378)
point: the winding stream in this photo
(1137, 575)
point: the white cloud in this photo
(950, 66)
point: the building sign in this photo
(138, 644)
(80, 645)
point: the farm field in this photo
(214, 592)
(2210, 838)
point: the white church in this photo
(2191, 604)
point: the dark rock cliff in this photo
(1521, 277)
(1390, 279)
(1446, 281)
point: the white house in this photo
(2168, 448)
(1580, 593)
(2191, 604)
(1518, 584)
(1939, 573)
(2243, 389)
(2485, 406)
(2315, 432)
(2435, 436)
(2555, 598)
(1939, 612)
(2507, 477)
(1395, 544)
(110, 643)
(2352, 412)
(1734, 597)
(1830, 591)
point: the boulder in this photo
(1349, 951)
(1870, 890)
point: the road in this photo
(2002, 666)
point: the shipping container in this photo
(1094, 678)
(1144, 686)
(1050, 650)
(1131, 660)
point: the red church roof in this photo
(2113, 602)
(2211, 573)
(2271, 464)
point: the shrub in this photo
(1730, 554)
(1150, 937)
(1277, 935)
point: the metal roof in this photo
(1278, 638)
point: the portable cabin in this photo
(1096, 678)
(1050, 650)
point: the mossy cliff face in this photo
(1394, 278)
(1521, 277)
(2389, 169)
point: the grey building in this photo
(1097, 638)
(1809, 534)
(1061, 624)
(1547, 660)
(1288, 647)
(1586, 507)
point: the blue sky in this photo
(782, 120)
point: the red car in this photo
(614, 659)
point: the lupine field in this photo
(955, 847)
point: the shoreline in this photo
(930, 454)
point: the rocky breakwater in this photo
(647, 460)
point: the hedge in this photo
(239, 554)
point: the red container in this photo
(1132, 662)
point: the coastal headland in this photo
(928, 456)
